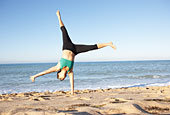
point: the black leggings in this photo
(75, 48)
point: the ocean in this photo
(15, 78)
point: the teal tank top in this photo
(65, 62)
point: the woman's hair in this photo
(58, 73)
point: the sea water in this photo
(15, 78)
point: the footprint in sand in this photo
(158, 100)
(116, 100)
(82, 98)
(40, 98)
(74, 106)
(80, 105)
(157, 110)
(99, 106)
(6, 99)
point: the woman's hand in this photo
(32, 78)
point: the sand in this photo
(135, 100)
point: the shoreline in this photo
(127, 100)
(81, 90)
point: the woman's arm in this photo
(50, 70)
(71, 75)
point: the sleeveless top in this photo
(66, 63)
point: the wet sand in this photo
(135, 100)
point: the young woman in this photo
(70, 50)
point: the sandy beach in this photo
(135, 100)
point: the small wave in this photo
(159, 84)
(142, 85)
(156, 76)
(144, 76)
(150, 76)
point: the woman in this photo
(70, 50)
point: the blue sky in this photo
(29, 29)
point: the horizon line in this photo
(89, 61)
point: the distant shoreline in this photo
(85, 62)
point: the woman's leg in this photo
(85, 48)
(67, 43)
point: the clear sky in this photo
(29, 29)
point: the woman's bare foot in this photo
(113, 46)
(32, 78)
(59, 18)
(58, 13)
